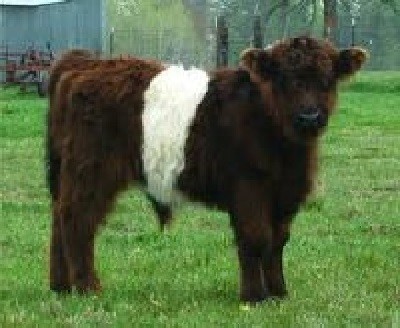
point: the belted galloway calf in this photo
(242, 139)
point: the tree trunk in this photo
(331, 31)
(285, 18)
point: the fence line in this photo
(202, 52)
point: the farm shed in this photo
(64, 23)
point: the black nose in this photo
(309, 118)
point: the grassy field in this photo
(342, 263)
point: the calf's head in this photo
(298, 78)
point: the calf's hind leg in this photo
(78, 232)
(59, 276)
(86, 196)
(79, 245)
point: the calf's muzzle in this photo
(310, 118)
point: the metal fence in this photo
(202, 51)
(162, 45)
(384, 49)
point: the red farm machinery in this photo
(26, 68)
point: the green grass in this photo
(342, 263)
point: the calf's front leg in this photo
(272, 258)
(252, 288)
(252, 224)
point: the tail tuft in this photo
(164, 213)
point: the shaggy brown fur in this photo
(73, 59)
(251, 151)
(71, 117)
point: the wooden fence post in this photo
(353, 32)
(331, 31)
(258, 37)
(222, 42)
(112, 41)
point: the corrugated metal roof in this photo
(28, 2)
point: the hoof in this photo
(88, 286)
(278, 294)
(253, 298)
(256, 298)
(60, 289)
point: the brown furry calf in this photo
(244, 140)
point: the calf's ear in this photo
(350, 61)
(259, 61)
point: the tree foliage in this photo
(161, 29)
(314, 5)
